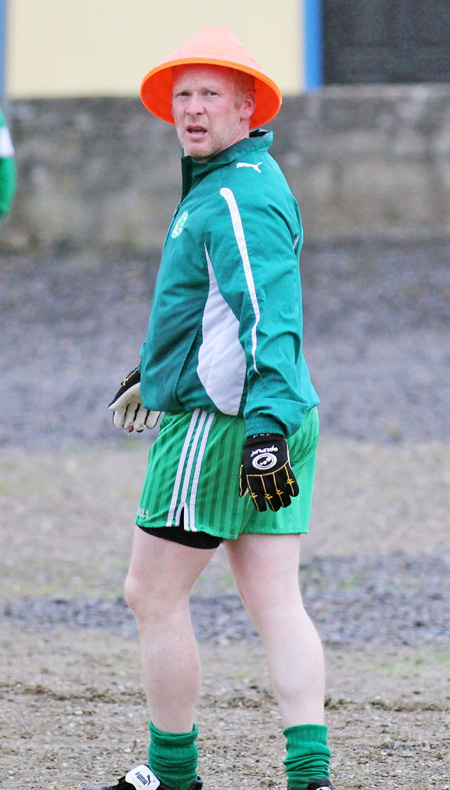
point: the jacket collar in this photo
(192, 171)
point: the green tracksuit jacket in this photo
(225, 330)
(7, 169)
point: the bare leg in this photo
(157, 588)
(265, 568)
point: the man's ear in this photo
(248, 106)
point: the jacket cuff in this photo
(264, 424)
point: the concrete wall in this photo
(367, 161)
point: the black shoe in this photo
(140, 778)
(319, 784)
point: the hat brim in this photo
(156, 89)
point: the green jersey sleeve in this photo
(254, 240)
(7, 169)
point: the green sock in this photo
(308, 756)
(173, 757)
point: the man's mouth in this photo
(196, 132)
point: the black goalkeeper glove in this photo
(266, 472)
(126, 406)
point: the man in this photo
(7, 169)
(223, 359)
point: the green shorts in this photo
(193, 478)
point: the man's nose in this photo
(195, 105)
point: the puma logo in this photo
(248, 164)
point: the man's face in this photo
(209, 116)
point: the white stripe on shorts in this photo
(182, 503)
(197, 473)
(179, 475)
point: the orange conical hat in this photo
(214, 46)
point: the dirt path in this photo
(375, 568)
(72, 705)
(73, 710)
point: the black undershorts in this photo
(197, 540)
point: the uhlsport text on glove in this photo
(266, 472)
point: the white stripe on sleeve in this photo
(242, 246)
(6, 146)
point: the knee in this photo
(133, 593)
(254, 601)
(144, 603)
(266, 606)
(152, 602)
(142, 597)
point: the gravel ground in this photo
(376, 339)
(400, 600)
(375, 567)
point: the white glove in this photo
(126, 406)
